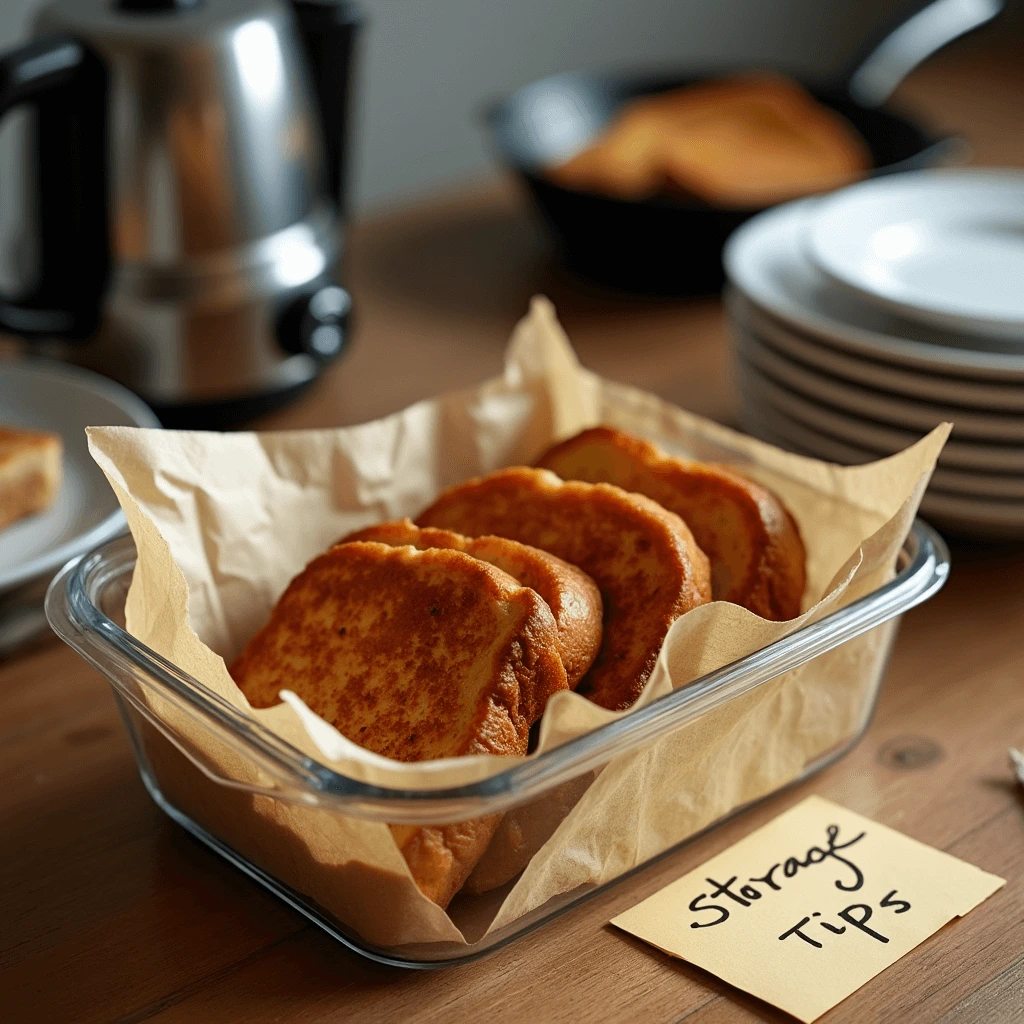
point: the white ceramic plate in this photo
(929, 387)
(775, 427)
(968, 512)
(51, 396)
(944, 247)
(759, 391)
(765, 261)
(874, 405)
(996, 520)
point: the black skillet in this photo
(673, 246)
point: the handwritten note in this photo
(808, 908)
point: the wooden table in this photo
(110, 912)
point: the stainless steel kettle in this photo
(187, 179)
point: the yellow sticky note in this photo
(808, 908)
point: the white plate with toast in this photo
(54, 398)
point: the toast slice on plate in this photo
(30, 472)
(570, 593)
(757, 556)
(643, 559)
(414, 655)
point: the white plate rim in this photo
(134, 408)
(821, 232)
(861, 341)
(970, 514)
(971, 511)
(984, 520)
(785, 432)
(958, 454)
(983, 395)
(893, 410)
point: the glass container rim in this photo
(73, 608)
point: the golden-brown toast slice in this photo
(30, 472)
(643, 559)
(757, 556)
(571, 594)
(413, 655)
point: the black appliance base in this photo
(228, 413)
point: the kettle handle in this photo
(328, 30)
(66, 83)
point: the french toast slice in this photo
(643, 559)
(757, 556)
(570, 593)
(414, 655)
(30, 472)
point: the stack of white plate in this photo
(864, 319)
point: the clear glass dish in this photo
(85, 606)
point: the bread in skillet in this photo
(746, 142)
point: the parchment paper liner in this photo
(223, 521)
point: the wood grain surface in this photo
(109, 912)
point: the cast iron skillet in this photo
(673, 246)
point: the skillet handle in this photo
(913, 41)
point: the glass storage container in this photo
(215, 799)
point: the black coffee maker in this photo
(186, 196)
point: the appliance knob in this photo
(316, 324)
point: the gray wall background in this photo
(429, 65)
